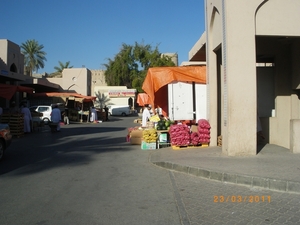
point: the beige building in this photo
(110, 95)
(98, 79)
(252, 51)
(12, 72)
(115, 95)
(11, 62)
(74, 79)
(173, 56)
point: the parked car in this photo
(45, 109)
(5, 138)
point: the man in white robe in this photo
(56, 116)
(27, 118)
(146, 115)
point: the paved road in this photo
(85, 174)
(88, 174)
(213, 202)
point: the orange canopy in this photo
(7, 91)
(143, 99)
(155, 83)
(66, 95)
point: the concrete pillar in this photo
(214, 38)
(231, 26)
(239, 92)
(294, 136)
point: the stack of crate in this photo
(220, 140)
(15, 122)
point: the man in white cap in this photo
(146, 115)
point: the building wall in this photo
(277, 17)
(98, 79)
(75, 79)
(105, 93)
(4, 50)
(233, 30)
(173, 56)
(10, 53)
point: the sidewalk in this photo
(274, 167)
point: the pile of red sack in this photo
(203, 131)
(181, 135)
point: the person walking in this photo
(56, 116)
(106, 113)
(94, 116)
(66, 116)
(27, 118)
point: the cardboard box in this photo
(136, 134)
(194, 128)
(163, 137)
(135, 140)
(148, 146)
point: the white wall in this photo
(201, 101)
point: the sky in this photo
(89, 32)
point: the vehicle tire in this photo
(123, 114)
(1, 149)
(46, 120)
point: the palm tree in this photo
(34, 56)
(59, 69)
(101, 100)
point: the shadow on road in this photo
(76, 144)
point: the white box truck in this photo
(187, 101)
(118, 110)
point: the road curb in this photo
(251, 181)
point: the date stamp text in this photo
(240, 198)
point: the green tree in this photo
(129, 67)
(59, 69)
(34, 56)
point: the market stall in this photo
(79, 110)
(161, 131)
(167, 133)
(15, 120)
(157, 79)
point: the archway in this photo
(13, 68)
